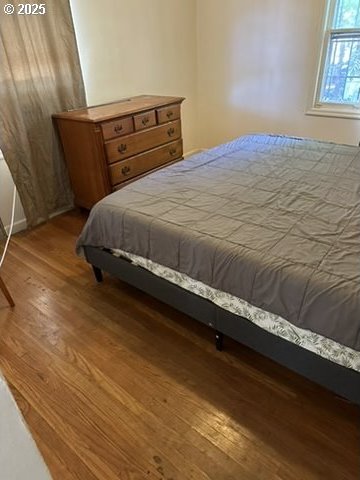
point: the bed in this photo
(259, 239)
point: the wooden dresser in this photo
(109, 145)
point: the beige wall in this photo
(256, 66)
(243, 65)
(131, 47)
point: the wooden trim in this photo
(98, 113)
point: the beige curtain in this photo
(39, 75)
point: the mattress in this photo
(271, 220)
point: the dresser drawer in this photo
(122, 126)
(130, 145)
(126, 169)
(167, 114)
(145, 120)
(100, 141)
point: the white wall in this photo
(6, 196)
(256, 67)
(131, 47)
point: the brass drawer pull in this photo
(171, 132)
(145, 120)
(172, 151)
(122, 148)
(125, 170)
(170, 114)
(118, 128)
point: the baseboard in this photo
(193, 152)
(60, 212)
(21, 224)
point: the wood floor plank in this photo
(60, 458)
(82, 431)
(126, 428)
(114, 384)
(89, 371)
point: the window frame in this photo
(328, 109)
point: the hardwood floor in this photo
(115, 385)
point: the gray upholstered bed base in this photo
(343, 381)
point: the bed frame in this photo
(342, 381)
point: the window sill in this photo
(352, 113)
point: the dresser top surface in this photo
(126, 106)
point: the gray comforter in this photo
(273, 220)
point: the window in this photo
(338, 83)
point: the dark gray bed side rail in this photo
(342, 381)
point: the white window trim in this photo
(328, 109)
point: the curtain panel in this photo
(40, 75)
